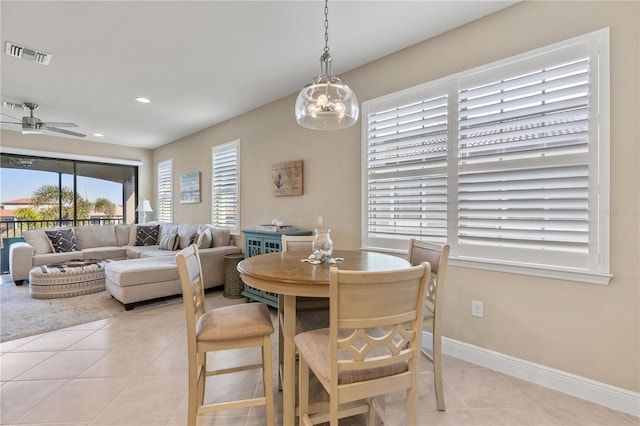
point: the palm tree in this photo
(105, 206)
(47, 194)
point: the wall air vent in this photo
(22, 52)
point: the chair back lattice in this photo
(190, 271)
(437, 256)
(375, 320)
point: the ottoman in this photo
(66, 279)
(136, 280)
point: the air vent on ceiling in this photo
(27, 54)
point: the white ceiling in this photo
(199, 62)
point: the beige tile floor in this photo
(132, 370)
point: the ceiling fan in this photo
(33, 125)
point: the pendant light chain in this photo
(326, 26)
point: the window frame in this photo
(597, 269)
(217, 150)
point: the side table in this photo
(232, 283)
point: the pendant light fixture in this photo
(326, 103)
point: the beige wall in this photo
(589, 330)
(10, 140)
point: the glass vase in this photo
(322, 245)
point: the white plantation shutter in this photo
(225, 186)
(508, 163)
(165, 191)
(407, 172)
(523, 162)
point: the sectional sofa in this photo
(141, 257)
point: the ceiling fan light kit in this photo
(32, 125)
(326, 103)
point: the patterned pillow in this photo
(192, 239)
(63, 240)
(169, 242)
(147, 235)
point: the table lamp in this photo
(143, 208)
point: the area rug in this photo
(22, 316)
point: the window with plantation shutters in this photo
(225, 186)
(507, 163)
(165, 191)
(407, 171)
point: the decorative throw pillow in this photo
(204, 239)
(192, 239)
(169, 242)
(147, 235)
(63, 240)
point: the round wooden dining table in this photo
(288, 275)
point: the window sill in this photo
(531, 270)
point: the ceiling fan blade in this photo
(9, 122)
(58, 124)
(66, 132)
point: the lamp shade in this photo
(326, 103)
(144, 207)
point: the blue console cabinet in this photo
(261, 242)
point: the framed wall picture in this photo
(286, 178)
(190, 188)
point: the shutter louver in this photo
(523, 161)
(406, 179)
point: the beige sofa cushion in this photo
(37, 239)
(123, 233)
(221, 236)
(96, 236)
(186, 232)
(167, 229)
(135, 252)
(205, 239)
(109, 252)
(134, 272)
(49, 258)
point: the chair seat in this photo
(313, 345)
(234, 323)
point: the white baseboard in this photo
(581, 387)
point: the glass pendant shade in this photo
(326, 103)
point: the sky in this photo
(20, 183)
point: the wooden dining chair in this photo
(230, 327)
(438, 257)
(372, 345)
(303, 244)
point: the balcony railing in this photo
(14, 229)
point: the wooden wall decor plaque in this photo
(286, 178)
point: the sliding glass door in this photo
(45, 192)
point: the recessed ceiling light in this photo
(98, 135)
(143, 100)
